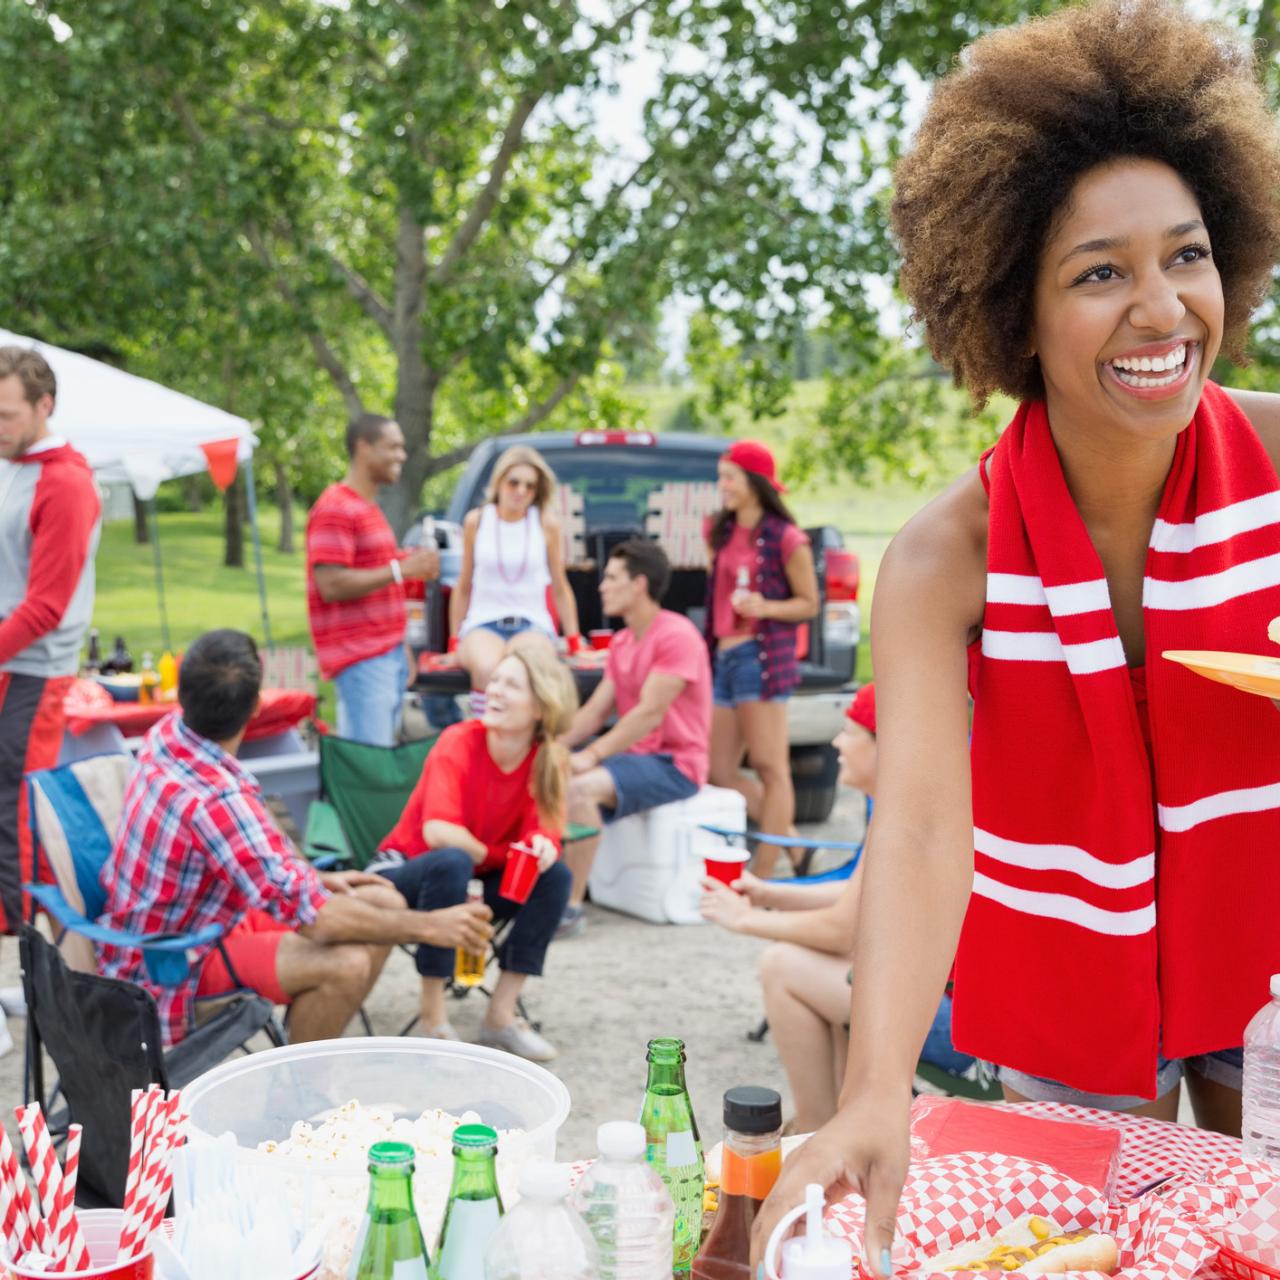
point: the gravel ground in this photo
(603, 996)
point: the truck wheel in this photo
(814, 771)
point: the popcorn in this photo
(335, 1149)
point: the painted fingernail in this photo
(886, 1263)
(760, 1271)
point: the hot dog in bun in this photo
(1032, 1246)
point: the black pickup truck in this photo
(616, 485)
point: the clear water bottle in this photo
(542, 1237)
(1261, 1127)
(626, 1206)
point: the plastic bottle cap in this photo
(1275, 985)
(621, 1140)
(543, 1180)
(748, 1108)
(474, 1136)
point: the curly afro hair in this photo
(1032, 108)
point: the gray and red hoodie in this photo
(49, 525)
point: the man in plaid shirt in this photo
(196, 846)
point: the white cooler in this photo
(649, 864)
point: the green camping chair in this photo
(363, 792)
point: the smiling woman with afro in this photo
(1088, 217)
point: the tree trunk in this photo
(233, 523)
(192, 495)
(141, 529)
(284, 499)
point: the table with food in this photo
(411, 1159)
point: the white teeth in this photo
(1128, 368)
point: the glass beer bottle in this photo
(390, 1244)
(673, 1146)
(469, 966)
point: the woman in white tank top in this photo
(511, 553)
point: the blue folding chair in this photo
(73, 813)
(832, 875)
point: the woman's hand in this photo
(757, 891)
(749, 604)
(583, 761)
(720, 905)
(545, 849)
(865, 1147)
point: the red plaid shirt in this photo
(344, 529)
(196, 846)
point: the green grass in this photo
(200, 592)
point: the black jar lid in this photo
(749, 1108)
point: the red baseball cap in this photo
(757, 458)
(862, 710)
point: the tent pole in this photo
(251, 492)
(155, 549)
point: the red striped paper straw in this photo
(70, 1237)
(25, 1216)
(175, 1123)
(141, 1106)
(141, 1213)
(45, 1171)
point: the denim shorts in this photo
(505, 628)
(1224, 1066)
(738, 676)
(644, 782)
(370, 695)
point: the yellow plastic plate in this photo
(1249, 672)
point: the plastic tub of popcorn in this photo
(310, 1112)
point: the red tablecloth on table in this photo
(281, 709)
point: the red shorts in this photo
(252, 947)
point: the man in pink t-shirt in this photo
(658, 680)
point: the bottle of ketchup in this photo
(749, 1167)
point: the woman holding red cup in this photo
(490, 806)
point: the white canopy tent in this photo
(139, 433)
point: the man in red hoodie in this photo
(49, 524)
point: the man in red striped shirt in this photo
(355, 592)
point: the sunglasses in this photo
(513, 483)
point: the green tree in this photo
(424, 193)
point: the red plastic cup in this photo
(101, 1228)
(727, 865)
(519, 875)
(600, 639)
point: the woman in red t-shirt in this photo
(762, 585)
(489, 784)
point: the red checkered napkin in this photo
(1237, 1205)
(951, 1199)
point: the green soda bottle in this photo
(474, 1207)
(390, 1244)
(673, 1147)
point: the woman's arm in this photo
(460, 596)
(918, 864)
(453, 835)
(800, 606)
(827, 928)
(561, 591)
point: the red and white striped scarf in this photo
(1103, 927)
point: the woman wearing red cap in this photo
(804, 972)
(761, 586)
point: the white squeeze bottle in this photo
(814, 1255)
(1261, 1125)
(541, 1237)
(626, 1206)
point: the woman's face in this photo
(735, 488)
(517, 488)
(1128, 303)
(856, 747)
(509, 701)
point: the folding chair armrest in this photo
(790, 842)
(164, 954)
